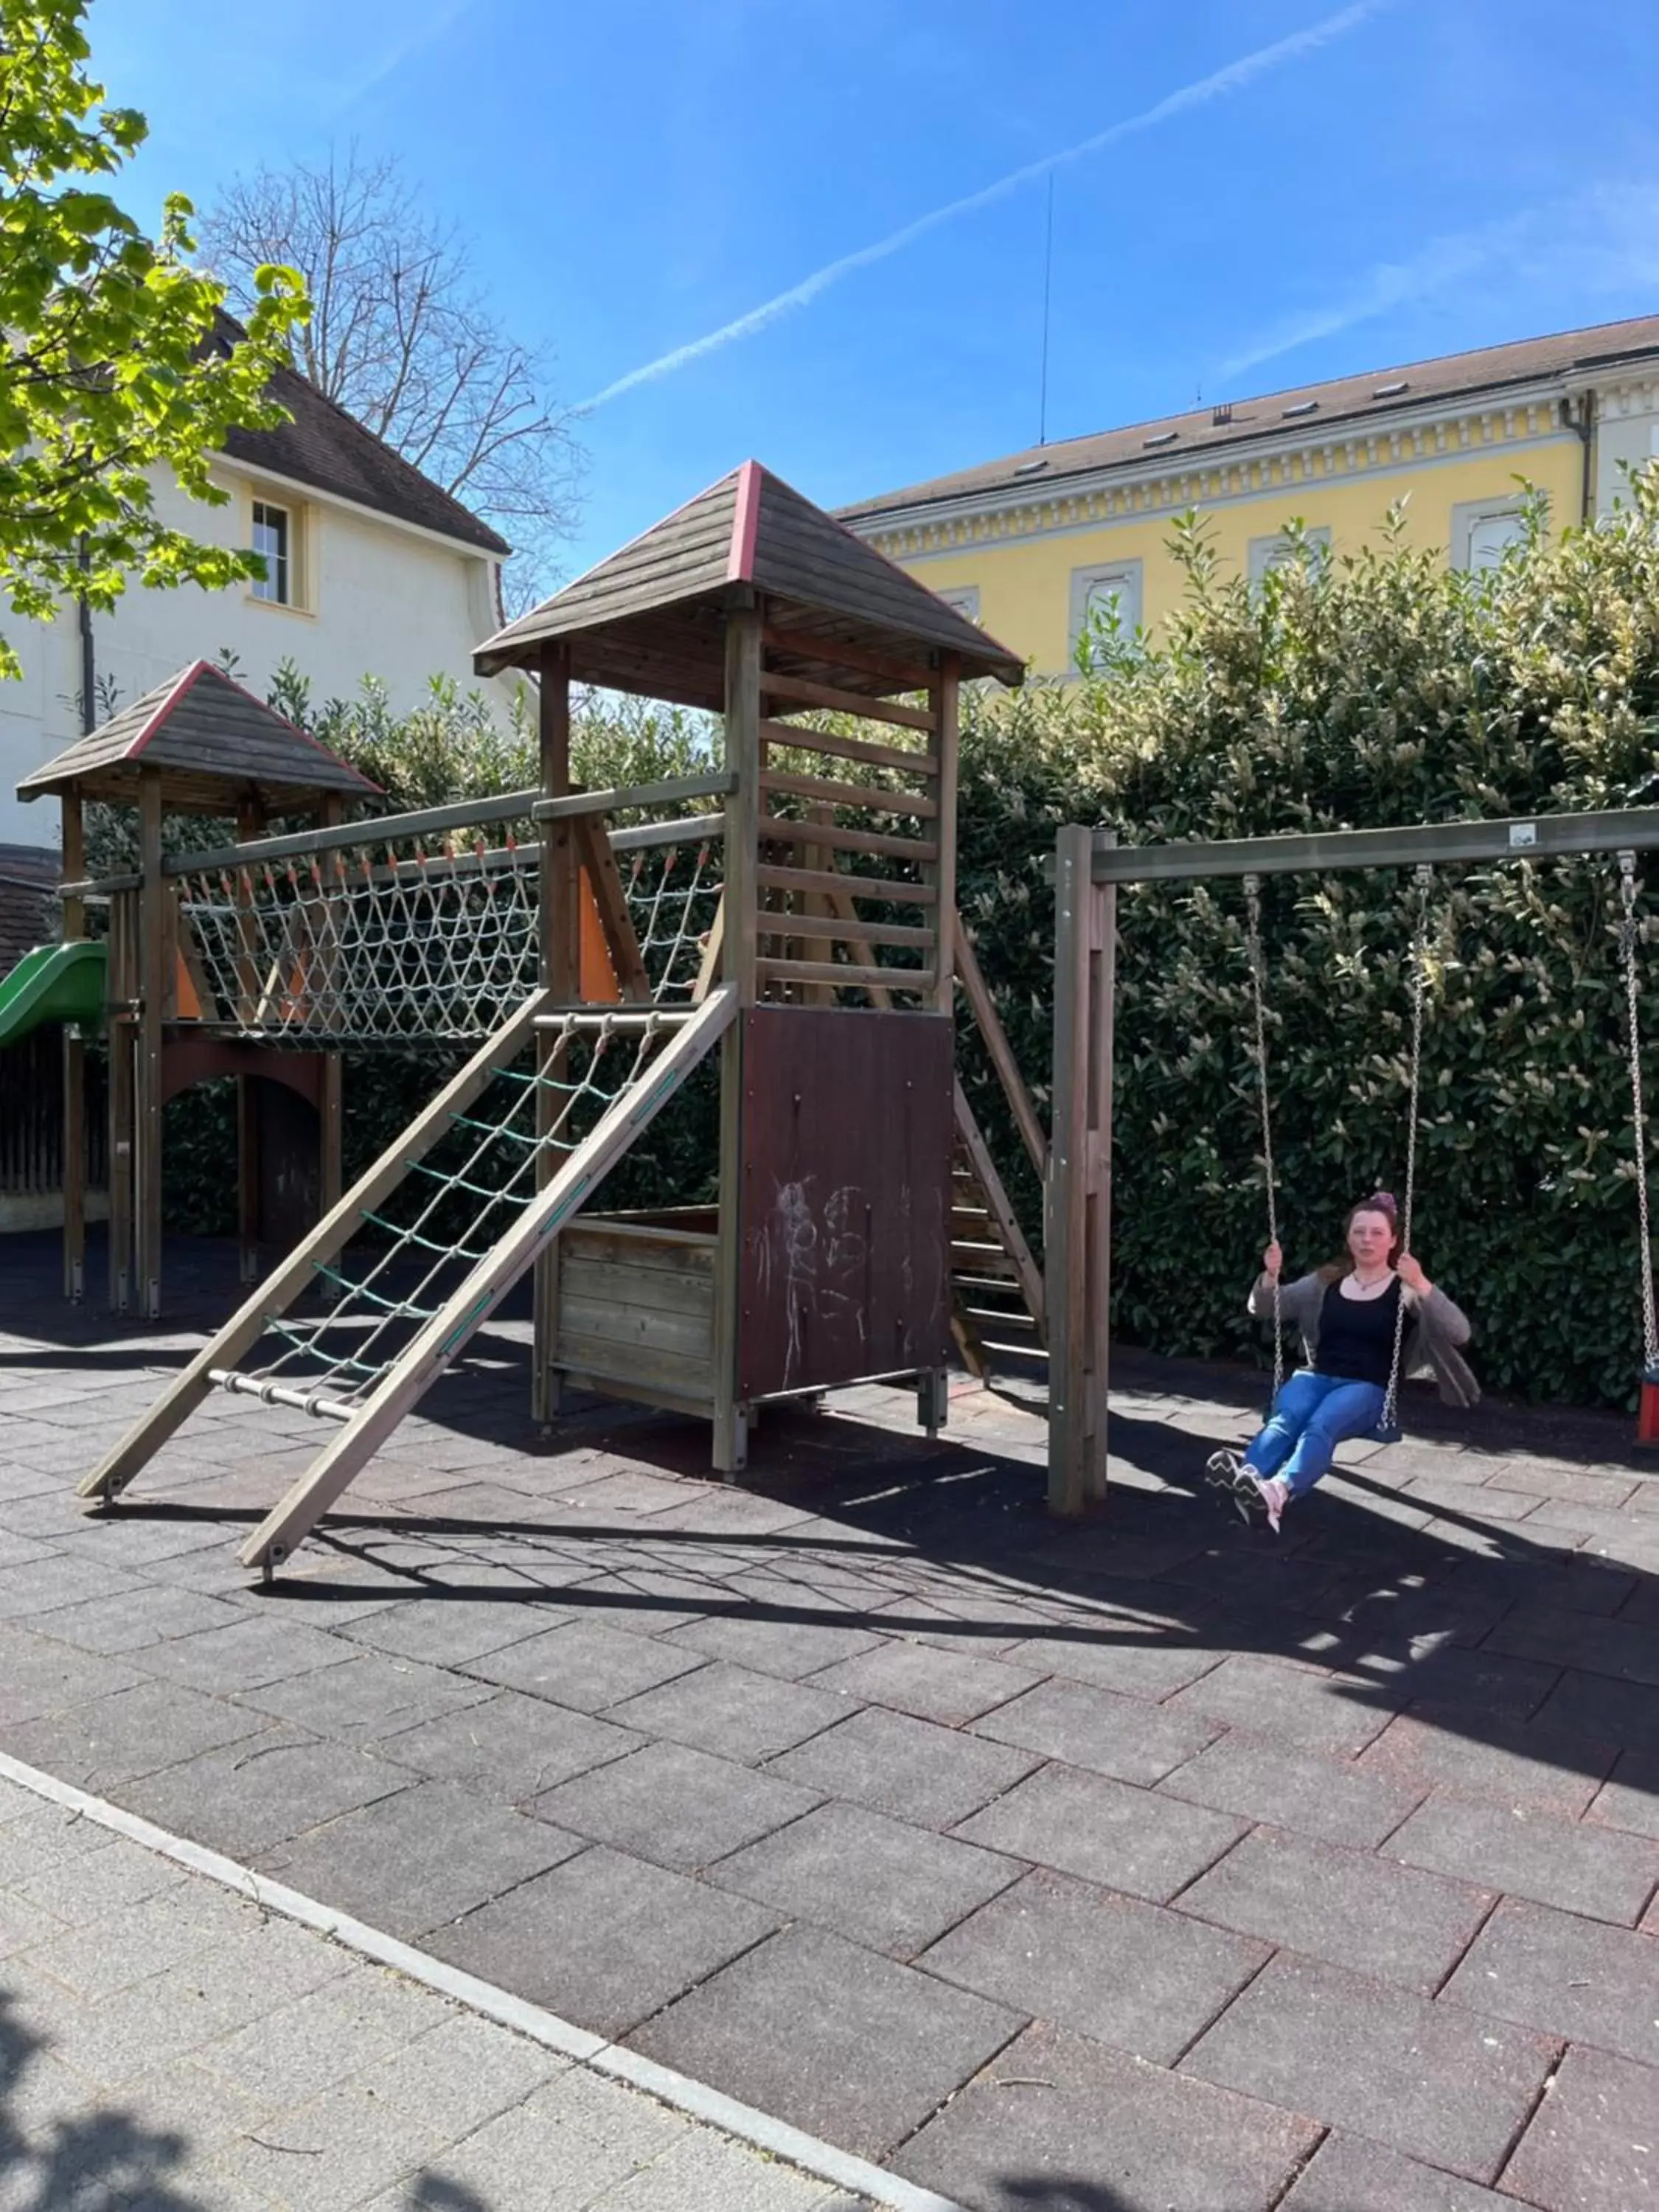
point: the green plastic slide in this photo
(53, 984)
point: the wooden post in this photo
(147, 1071)
(74, 1067)
(250, 821)
(330, 1089)
(739, 929)
(942, 695)
(122, 990)
(559, 920)
(1078, 1284)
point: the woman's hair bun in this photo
(1381, 1201)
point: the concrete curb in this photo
(695, 2099)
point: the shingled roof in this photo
(650, 618)
(213, 741)
(1313, 410)
(323, 445)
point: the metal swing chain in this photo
(1419, 995)
(1258, 997)
(1629, 930)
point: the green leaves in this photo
(115, 370)
(1372, 688)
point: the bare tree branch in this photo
(401, 338)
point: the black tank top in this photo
(1356, 1335)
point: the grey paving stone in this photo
(332, 2153)
(912, 1769)
(603, 1939)
(372, 1695)
(585, 1664)
(1298, 1706)
(1592, 2144)
(788, 1648)
(878, 1881)
(1135, 1840)
(825, 2034)
(1328, 1799)
(448, 1632)
(1593, 1871)
(1124, 1737)
(245, 1797)
(1629, 1798)
(1431, 2080)
(249, 1655)
(1139, 1660)
(115, 1739)
(1523, 1766)
(297, 2052)
(42, 1585)
(486, 2172)
(38, 1676)
(675, 1806)
(511, 1748)
(131, 1619)
(1625, 1649)
(1351, 1907)
(1139, 1977)
(950, 1686)
(708, 2172)
(31, 1843)
(1564, 1976)
(98, 1884)
(733, 1713)
(1603, 1710)
(1444, 1681)
(1058, 2121)
(461, 2073)
(412, 1862)
(1348, 2175)
(156, 1932)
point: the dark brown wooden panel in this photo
(844, 1212)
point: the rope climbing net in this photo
(358, 946)
(419, 1246)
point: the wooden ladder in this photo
(996, 1286)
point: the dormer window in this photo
(273, 536)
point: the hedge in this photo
(1373, 689)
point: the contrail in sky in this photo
(1232, 78)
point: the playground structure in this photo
(1090, 865)
(592, 970)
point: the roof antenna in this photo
(1047, 273)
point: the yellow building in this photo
(1032, 545)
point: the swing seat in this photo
(1385, 1432)
(1647, 1419)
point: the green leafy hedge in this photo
(1372, 690)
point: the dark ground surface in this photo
(1144, 1865)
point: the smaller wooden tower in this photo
(200, 744)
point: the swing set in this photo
(1089, 864)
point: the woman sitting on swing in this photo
(1357, 1344)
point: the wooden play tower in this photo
(820, 981)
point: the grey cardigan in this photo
(1435, 1331)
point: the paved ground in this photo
(167, 2045)
(1145, 1865)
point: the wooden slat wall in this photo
(831, 844)
(32, 1116)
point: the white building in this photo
(374, 571)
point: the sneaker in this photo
(1274, 1497)
(1221, 1470)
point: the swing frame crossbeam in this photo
(1089, 867)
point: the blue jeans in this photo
(1310, 1417)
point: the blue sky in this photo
(1300, 190)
